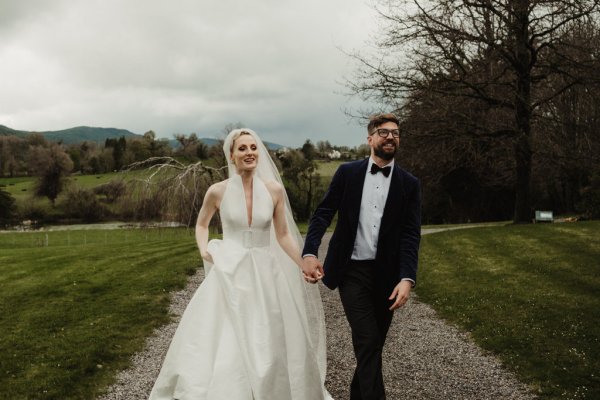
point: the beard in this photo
(386, 155)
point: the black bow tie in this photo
(385, 170)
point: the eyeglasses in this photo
(384, 133)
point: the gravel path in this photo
(424, 357)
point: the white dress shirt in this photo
(374, 195)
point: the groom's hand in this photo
(400, 294)
(312, 269)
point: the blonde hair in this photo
(235, 137)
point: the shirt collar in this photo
(371, 161)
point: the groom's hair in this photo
(380, 119)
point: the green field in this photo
(75, 305)
(22, 187)
(530, 294)
(328, 168)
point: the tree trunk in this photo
(522, 146)
(522, 149)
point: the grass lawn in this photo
(22, 187)
(72, 312)
(328, 168)
(530, 294)
(19, 188)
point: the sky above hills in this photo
(184, 66)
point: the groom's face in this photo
(384, 147)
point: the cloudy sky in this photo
(183, 66)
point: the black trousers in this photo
(367, 309)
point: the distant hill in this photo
(212, 142)
(6, 131)
(99, 135)
(83, 133)
(273, 146)
(74, 135)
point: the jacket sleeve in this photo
(410, 236)
(323, 215)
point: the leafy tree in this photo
(75, 153)
(202, 151)
(362, 151)
(188, 146)
(303, 183)
(157, 148)
(309, 150)
(119, 152)
(137, 150)
(51, 164)
(36, 139)
(118, 147)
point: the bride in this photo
(254, 329)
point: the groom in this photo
(372, 255)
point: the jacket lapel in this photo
(393, 203)
(357, 181)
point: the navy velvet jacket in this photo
(399, 234)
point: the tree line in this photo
(170, 187)
(23, 156)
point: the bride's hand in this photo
(207, 257)
(310, 279)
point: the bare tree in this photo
(170, 190)
(231, 126)
(498, 53)
(569, 148)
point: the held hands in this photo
(312, 269)
(401, 293)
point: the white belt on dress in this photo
(251, 238)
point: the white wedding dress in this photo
(245, 334)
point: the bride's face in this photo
(245, 153)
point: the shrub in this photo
(36, 210)
(590, 198)
(7, 209)
(141, 206)
(83, 204)
(111, 190)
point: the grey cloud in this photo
(182, 66)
